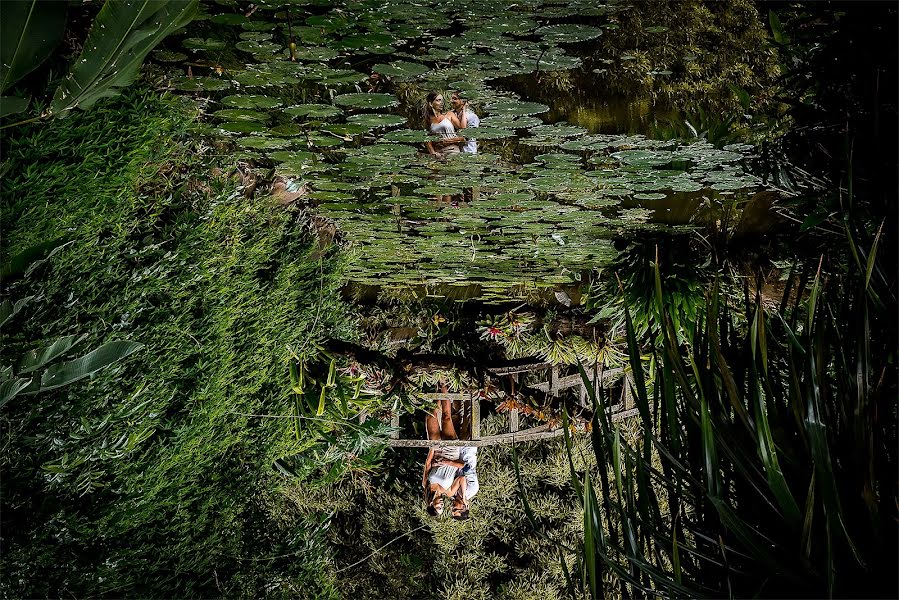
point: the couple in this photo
(450, 471)
(446, 125)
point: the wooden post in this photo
(476, 417)
(395, 423)
(628, 397)
(554, 381)
(513, 420)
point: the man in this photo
(466, 485)
(460, 106)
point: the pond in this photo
(331, 100)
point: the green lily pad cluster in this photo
(333, 100)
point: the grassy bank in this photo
(150, 479)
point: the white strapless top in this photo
(444, 128)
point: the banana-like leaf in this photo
(8, 308)
(10, 388)
(68, 372)
(29, 32)
(11, 105)
(122, 35)
(37, 358)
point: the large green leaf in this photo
(11, 105)
(29, 31)
(122, 35)
(73, 370)
(10, 388)
(37, 358)
(8, 309)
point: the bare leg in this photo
(449, 430)
(432, 425)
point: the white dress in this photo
(445, 129)
(444, 475)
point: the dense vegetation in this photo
(751, 300)
(153, 479)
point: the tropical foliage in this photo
(767, 461)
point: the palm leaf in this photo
(10, 388)
(121, 37)
(8, 308)
(73, 370)
(37, 358)
(30, 31)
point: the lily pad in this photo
(200, 84)
(240, 114)
(376, 121)
(263, 143)
(568, 33)
(168, 56)
(313, 111)
(401, 70)
(516, 108)
(204, 44)
(251, 102)
(409, 136)
(368, 101)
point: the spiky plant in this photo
(768, 458)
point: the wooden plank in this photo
(534, 434)
(537, 433)
(513, 420)
(519, 368)
(624, 414)
(448, 396)
(475, 417)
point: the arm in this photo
(454, 119)
(428, 461)
(459, 485)
(463, 118)
(430, 147)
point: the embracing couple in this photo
(450, 471)
(447, 124)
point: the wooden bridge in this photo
(553, 385)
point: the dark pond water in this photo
(559, 176)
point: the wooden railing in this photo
(552, 386)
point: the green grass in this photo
(147, 480)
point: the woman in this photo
(443, 463)
(443, 124)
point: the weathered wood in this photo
(537, 433)
(395, 423)
(624, 414)
(444, 396)
(528, 435)
(513, 420)
(628, 396)
(475, 417)
(519, 368)
(570, 381)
